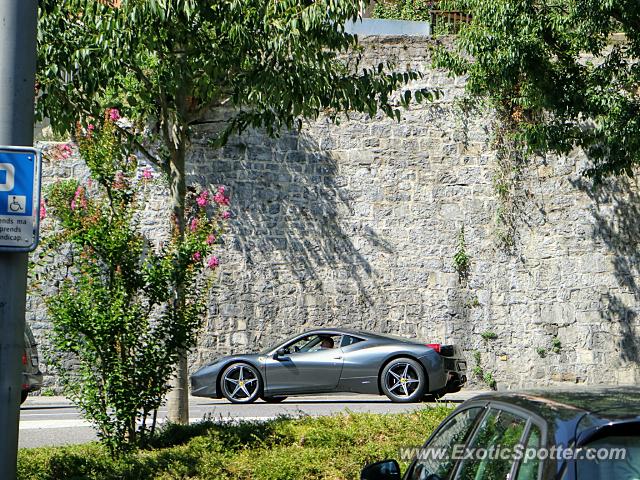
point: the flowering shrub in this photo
(116, 312)
(59, 151)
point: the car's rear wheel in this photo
(273, 399)
(23, 396)
(403, 380)
(241, 383)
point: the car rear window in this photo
(29, 335)
(349, 340)
(394, 337)
(611, 458)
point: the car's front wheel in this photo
(403, 380)
(241, 383)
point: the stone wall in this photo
(356, 225)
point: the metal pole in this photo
(18, 27)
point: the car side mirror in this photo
(281, 352)
(384, 470)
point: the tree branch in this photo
(195, 118)
(148, 155)
(142, 76)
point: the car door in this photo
(491, 452)
(304, 368)
(437, 459)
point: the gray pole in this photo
(18, 27)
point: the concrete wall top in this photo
(380, 27)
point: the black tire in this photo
(405, 376)
(454, 389)
(273, 399)
(434, 396)
(23, 396)
(241, 383)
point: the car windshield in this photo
(273, 346)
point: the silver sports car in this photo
(335, 360)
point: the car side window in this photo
(437, 458)
(313, 343)
(499, 432)
(529, 467)
(299, 344)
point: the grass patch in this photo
(335, 447)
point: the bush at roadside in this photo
(335, 447)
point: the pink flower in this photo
(90, 128)
(211, 239)
(43, 210)
(221, 189)
(79, 197)
(194, 225)
(213, 262)
(197, 257)
(147, 174)
(203, 198)
(226, 214)
(220, 198)
(65, 151)
(114, 114)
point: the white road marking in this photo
(27, 415)
(47, 424)
(79, 423)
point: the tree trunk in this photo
(178, 397)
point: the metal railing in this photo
(445, 21)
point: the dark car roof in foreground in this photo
(609, 402)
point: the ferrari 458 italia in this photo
(335, 360)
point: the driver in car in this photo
(327, 343)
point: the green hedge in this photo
(334, 447)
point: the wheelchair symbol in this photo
(17, 204)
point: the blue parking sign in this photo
(19, 198)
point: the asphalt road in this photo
(51, 421)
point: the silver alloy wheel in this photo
(240, 383)
(402, 380)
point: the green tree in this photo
(416, 10)
(266, 63)
(558, 74)
(114, 343)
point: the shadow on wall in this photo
(616, 212)
(295, 227)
